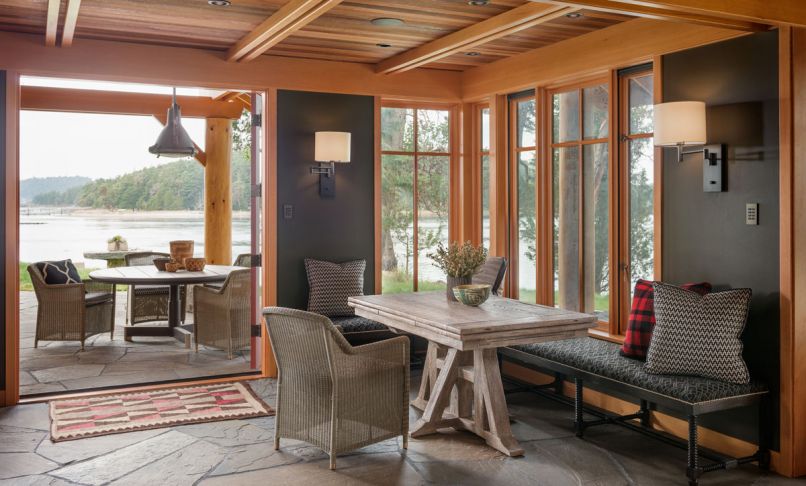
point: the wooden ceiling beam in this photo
(501, 25)
(70, 19)
(113, 102)
(771, 12)
(291, 17)
(640, 10)
(52, 22)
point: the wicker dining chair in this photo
(242, 260)
(492, 273)
(221, 316)
(331, 394)
(145, 303)
(72, 312)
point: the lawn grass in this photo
(399, 282)
(25, 278)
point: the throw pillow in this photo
(330, 284)
(642, 317)
(699, 335)
(59, 272)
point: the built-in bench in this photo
(590, 361)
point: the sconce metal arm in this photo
(326, 168)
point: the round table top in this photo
(110, 255)
(149, 275)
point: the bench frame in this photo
(648, 402)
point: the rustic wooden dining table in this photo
(461, 372)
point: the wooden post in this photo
(218, 192)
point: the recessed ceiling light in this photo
(478, 3)
(387, 22)
(383, 44)
(219, 3)
(472, 53)
(573, 15)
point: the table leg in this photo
(429, 377)
(174, 302)
(471, 382)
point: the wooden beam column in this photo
(218, 192)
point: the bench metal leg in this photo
(579, 423)
(693, 470)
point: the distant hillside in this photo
(30, 188)
(173, 186)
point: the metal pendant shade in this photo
(173, 141)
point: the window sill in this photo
(599, 333)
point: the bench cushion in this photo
(357, 324)
(602, 358)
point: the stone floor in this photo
(239, 452)
(59, 366)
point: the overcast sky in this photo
(95, 146)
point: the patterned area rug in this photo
(125, 412)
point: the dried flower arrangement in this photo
(459, 261)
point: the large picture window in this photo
(415, 189)
(524, 145)
(580, 188)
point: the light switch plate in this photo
(288, 211)
(751, 214)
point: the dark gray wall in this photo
(2, 229)
(704, 234)
(337, 229)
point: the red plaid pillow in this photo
(642, 317)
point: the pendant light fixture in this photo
(173, 141)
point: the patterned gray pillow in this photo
(330, 284)
(699, 334)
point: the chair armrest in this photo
(60, 293)
(95, 286)
(393, 351)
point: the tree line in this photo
(176, 185)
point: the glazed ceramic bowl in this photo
(473, 294)
(195, 264)
(161, 262)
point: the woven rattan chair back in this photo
(143, 258)
(492, 273)
(243, 260)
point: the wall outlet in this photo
(288, 211)
(751, 214)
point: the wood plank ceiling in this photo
(343, 33)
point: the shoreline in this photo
(120, 214)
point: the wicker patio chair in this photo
(221, 316)
(242, 260)
(145, 303)
(72, 312)
(331, 394)
(492, 272)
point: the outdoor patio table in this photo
(115, 258)
(462, 355)
(149, 275)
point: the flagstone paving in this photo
(61, 366)
(240, 452)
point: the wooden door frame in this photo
(10, 395)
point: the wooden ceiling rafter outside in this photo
(662, 13)
(507, 23)
(291, 17)
(770, 12)
(68, 27)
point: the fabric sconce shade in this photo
(332, 147)
(680, 123)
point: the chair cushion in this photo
(699, 334)
(94, 298)
(642, 317)
(331, 284)
(59, 272)
(357, 324)
(602, 358)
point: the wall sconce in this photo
(682, 124)
(331, 147)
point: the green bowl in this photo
(473, 294)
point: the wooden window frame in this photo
(548, 158)
(453, 161)
(619, 326)
(513, 157)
